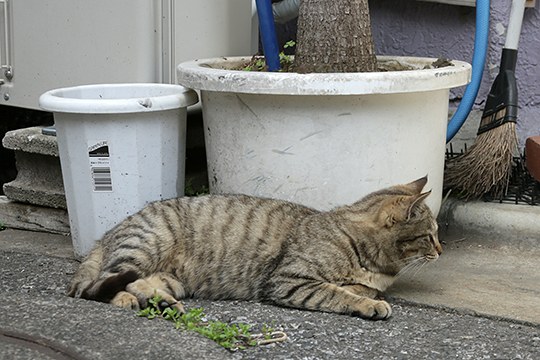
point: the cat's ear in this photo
(417, 185)
(400, 208)
(393, 210)
(416, 200)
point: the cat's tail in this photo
(87, 273)
(105, 289)
(86, 283)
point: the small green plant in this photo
(152, 310)
(289, 44)
(191, 190)
(2, 226)
(286, 61)
(267, 332)
(230, 336)
(258, 63)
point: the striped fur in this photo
(241, 247)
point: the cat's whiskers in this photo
(420, 265)
(416, 263)
(431, 258)
(406, 260)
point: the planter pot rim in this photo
(216, 75)
(117, 98)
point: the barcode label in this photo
(101, 177)
(100, 165)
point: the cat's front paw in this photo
(375, 310)
(381, 310)
(125, 300)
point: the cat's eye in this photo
(415, 239)
(425, 239)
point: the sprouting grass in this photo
(2, 226)
(231, 336)
(258, 63)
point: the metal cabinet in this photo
(47, 44)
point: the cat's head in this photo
(406, 223)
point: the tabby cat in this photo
(242, 247)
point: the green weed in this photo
(231, 336)
(258, 63)
(192, 190)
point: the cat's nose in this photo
(438, 247)
(436, 243)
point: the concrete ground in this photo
(481, 299)
(475, 274)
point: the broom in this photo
(487, 165)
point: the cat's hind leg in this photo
(139, 292)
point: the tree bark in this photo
(334, 36)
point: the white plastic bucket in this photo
(121, 146)
(323, 140)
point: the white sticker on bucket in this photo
(100, 165)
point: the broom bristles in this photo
(486, 166)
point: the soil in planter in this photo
(257, 63)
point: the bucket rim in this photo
(147, 97)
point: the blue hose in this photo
(478, 61)
(268, 34)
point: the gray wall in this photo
(415, 28)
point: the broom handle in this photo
(514, 24)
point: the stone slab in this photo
(28, 193)
(39, 181)
(30, 217)
(31, 140)
(39, 175)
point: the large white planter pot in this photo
(323, 139)
(121, 146)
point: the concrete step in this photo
(479, 273)
(489, 263)
(39, 175)
(18, 215)
(35, 200)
